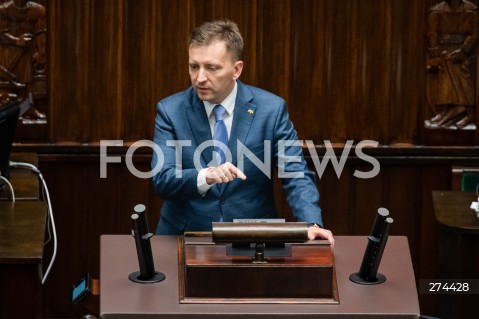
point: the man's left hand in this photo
(316, 231)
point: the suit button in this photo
(222, 200)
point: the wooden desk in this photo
(453, 212)
(22, 231)
(24, 182)
(121, 298)
(458, 240)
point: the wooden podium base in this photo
(208, 275)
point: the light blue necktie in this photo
(220, 134)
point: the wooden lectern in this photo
(123, 299)
(208, 275)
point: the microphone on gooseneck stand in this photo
(368, 272)
(147, 273)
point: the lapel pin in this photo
(250, 111)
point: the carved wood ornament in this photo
(23, 55)
(451, 67)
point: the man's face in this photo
(213, 71)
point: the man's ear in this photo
(238, 68)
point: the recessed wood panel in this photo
(347, 69)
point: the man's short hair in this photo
(223, 30)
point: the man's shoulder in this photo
(261, 95)
(183, 97)
(179, 96)
(256, 91)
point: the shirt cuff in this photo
(203, 187)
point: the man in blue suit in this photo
(204, 178)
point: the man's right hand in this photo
(223, 174)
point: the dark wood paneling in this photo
(348, 69)
(18, 303)
(336, 199)
(85, 207)
(353, 66)
(432, 178)
(85, 77)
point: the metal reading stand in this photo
(259, 240)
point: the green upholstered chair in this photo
(470, 181)
(465, 178)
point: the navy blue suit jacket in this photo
(259, 116)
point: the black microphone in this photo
(147, 273)
(368, 272)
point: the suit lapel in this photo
(243, 118)
(244, 112)
(200, 126)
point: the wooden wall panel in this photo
(85, 207)
(83, 90)
(406, 74)
(349, 69)
(136, 57)
(427, 266)
(273, 47)
(336, 199)
(367, 194)
(169, 63)
(354, 64)
(401, 187)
